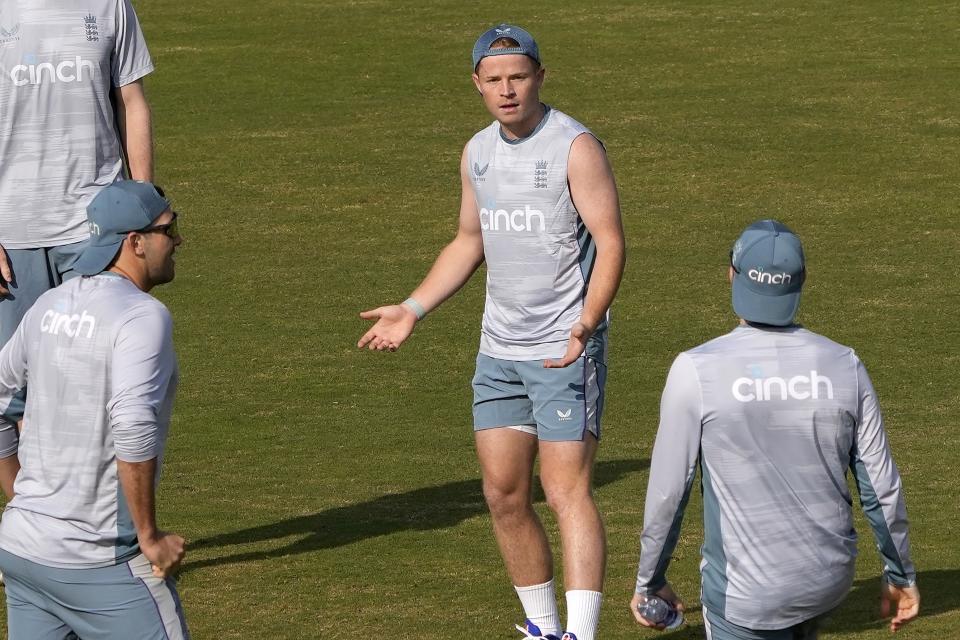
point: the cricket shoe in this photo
(532, 631)
(569, 636)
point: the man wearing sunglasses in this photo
(774, 415)
(80, 549)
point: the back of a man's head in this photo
(769, 270)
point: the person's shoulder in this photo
(560, 121)
(490, 131)
(824, 343)
(713, 346)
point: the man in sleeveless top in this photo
(79, 544)
(72, 107)
(540, 207)
(774, 415)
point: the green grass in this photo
(312, 148)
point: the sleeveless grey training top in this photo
(538, 252)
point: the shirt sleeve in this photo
(672, 471)
(878, 483)
(131, 58)
(13, 378)
(143, 368)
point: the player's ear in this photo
(730, 274)
(136, 241)
(476, 83)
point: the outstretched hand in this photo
(394, 325)
(667, 594)
(579, 335)
(903, 603)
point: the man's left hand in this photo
(579, 335)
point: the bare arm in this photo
(594, 193)
(164, 550)
(135, 123)
(451, 270)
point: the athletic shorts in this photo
(718, 628)
(556, 404)
(118, 602)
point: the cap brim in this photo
(95, 258)
(778, 311)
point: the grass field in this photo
(312, 148)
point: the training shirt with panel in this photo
(774, 417)
(98, 353)
(60, 61)
(538, 252)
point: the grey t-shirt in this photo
(774, 417)
(60, 61)
(99, 356)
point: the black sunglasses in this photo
(169, 229)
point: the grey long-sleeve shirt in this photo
(98, 355)
(774, 417)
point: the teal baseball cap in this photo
(122, 207)
(769, 271)
(527, 46)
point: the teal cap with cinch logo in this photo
(769, 272)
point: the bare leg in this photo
(506, 459)
(566, 470)
(9, 467)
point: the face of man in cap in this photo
(510, 87)
(151, 251)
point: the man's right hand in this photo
(665, 593)
(903, 603)
(165, 551)
(394, 325)
(6, 275)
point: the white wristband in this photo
(416, 307)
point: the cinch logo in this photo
(776, 388)
(518, 220)
(765, 277)
(56, 323)
(65, 71)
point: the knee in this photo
(505, 501)
(562, 497)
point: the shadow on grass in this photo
(861, 610)
(418, 510)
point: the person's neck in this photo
(138, 279)
(525, 129)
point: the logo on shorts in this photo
(564, 416)
(540, 175)
(91, 28)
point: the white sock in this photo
(583, 613)
(540, 606)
